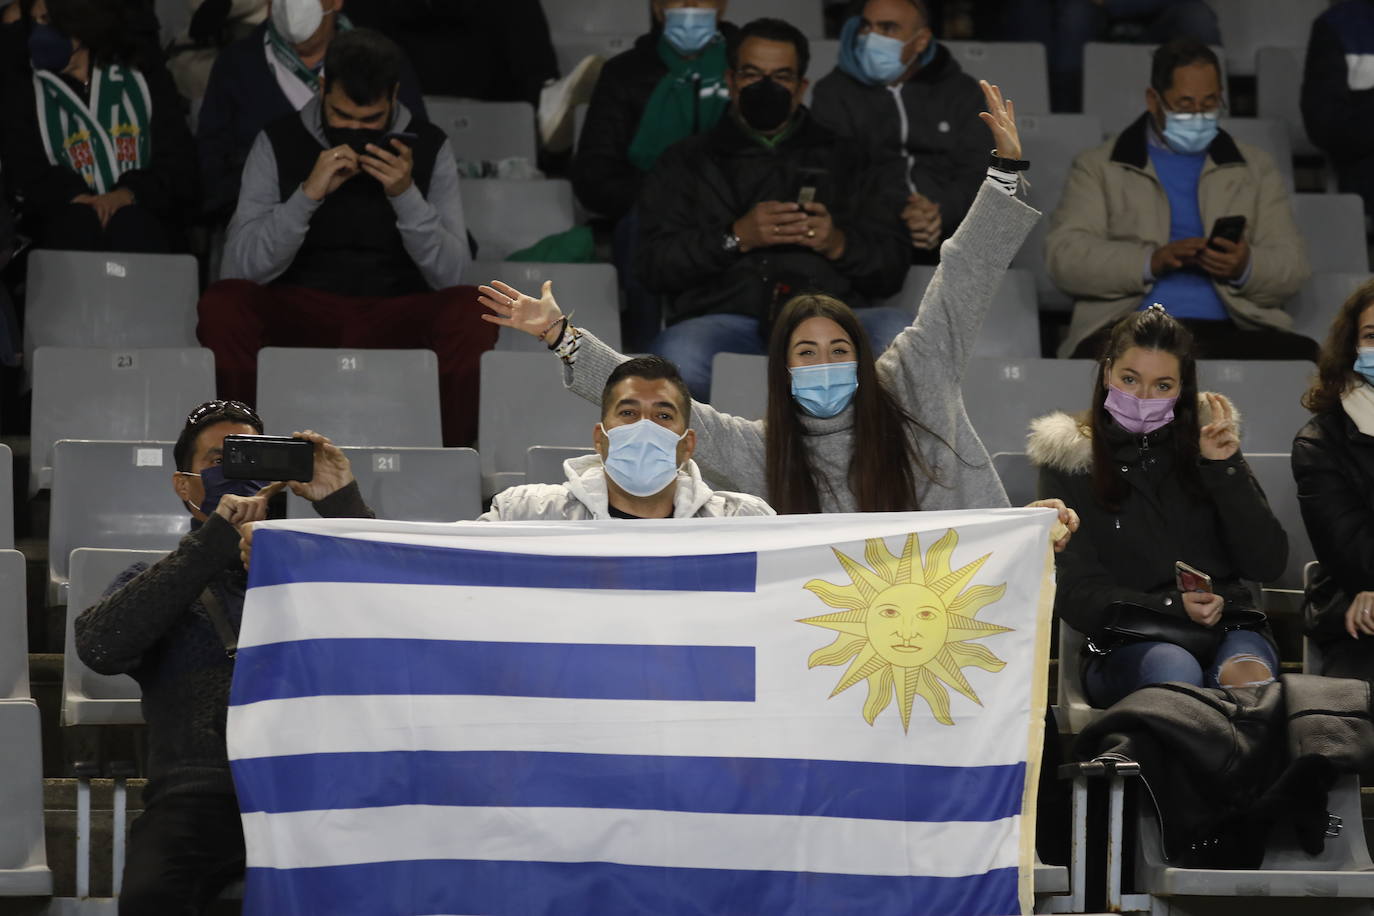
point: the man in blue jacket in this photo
(272, 72)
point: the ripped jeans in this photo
(1106, 679)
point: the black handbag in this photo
(1127, 622)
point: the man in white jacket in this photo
(643, 467)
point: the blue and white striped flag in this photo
(823, 714)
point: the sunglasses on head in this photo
(210, 408)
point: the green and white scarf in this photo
(287, 56)
(103, 139)
(689, 99)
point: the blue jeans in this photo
(692, 344)
(1107, 680)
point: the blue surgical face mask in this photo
(880, 57)
(1190, 133)
(217, 485)
(825, 389)
(49, 49)
(1364, 363)
(689, 28)
(642, 457)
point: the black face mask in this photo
(765, 105)
(356, 137)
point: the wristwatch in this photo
(730, 242)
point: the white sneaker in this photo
(558, 100)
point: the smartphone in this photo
(1230, 228)
(808, 183)
(1186, 578)
(807, 195)
(409, 139)
(268, 458)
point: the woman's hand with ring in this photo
(1359, 617)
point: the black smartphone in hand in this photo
(1231, 228)
(268, 458)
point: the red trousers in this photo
(237, 317)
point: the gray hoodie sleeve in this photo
(266, 232)
(433, 228)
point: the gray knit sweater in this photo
(924, 369)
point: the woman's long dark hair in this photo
(1151, 329)
(1335, 366)
(886, 459)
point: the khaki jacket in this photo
(1114, 213)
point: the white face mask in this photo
(641, 457)
(296, 20)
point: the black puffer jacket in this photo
(604, 179)
(1227, 532)
(937, 128)
(703, 184)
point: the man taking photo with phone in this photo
(349, 232)
(173, 626)
(1175, 210)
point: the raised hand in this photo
(1218, 440)
(333, 471)
(1001, 118)
(513, 309)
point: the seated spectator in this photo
(348, 236)
(643, 464)
(213, 25)
(94, 141)
(497, 52)
(1065, 26)
(1156, 473)
(269, 74)
(174, 626)
(1333, 464)
(1135, 220)
(1337, 104)
(669, 86)
(900, 89)
(847, 432)
(767, 204)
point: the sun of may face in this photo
(905, 626)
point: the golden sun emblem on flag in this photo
(905, 626)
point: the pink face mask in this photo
(1138, 415)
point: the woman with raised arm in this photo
(845, 432)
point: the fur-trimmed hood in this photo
(1063, 441)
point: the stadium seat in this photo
(825, 57)
(1002, 396)
(1056, 140)
(1012, 326)
(1268, 395)
(14, 627)
(1278, 78)
(1315, 307)
(544, 463)
(485, 130)
(598, 16)
(6, 497)
(524, 403)
(1017, 67)
(99, 299)
(355, 397)
(1019, 477)
(412, 484)
(1342, 875)
(23, 853)
(89, 698)
(1274, 473)
(590, 290)
(570, 46)
(804, 14)
(1332, 225)
(112, 394)
(1270, 136)
(1074, 713)
(1249, 25)
(739, 384)
(1115, 77)
(111, 494)
(507, 214)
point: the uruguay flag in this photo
(800, 714)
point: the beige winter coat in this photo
(1114, 213)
